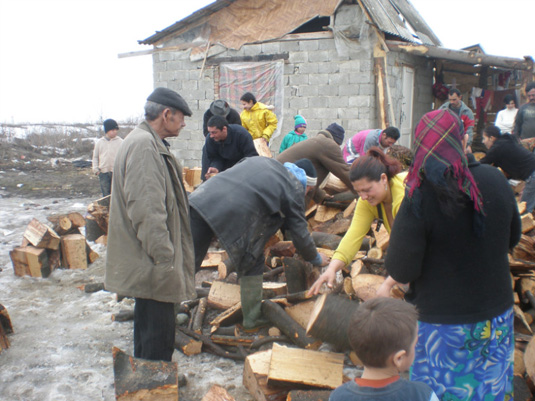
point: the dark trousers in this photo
(154, 329)
(202, 237)
(105, 183)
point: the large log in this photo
(334, 227)
(217, 393)
(281, 248)
(302, 368)
(293, 330)
(92, 229)
(366, 285)
(296, 272)
(325, 240)
(140, 379)
(30, 261)
(41, 236)
(329, 320)
(255, 371)
(74, 251)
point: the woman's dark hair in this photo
(450, 199)
(507, 99)
(248, 97)
(492, 130)
(373, 164)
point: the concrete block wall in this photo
(318, 84)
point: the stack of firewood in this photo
(45, 248)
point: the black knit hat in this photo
(110, 124)
(170, 98)
(307, 165)
(337, 131)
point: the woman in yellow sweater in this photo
(256, 118)
(380, 185)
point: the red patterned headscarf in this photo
(439, 150)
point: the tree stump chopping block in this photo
(329, 320)
(293, 330)
(141, 379)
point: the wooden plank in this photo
(262, 147)
(41, 236)
(255, 371)
(141, 379)
(73, 250)
(302, 367)
(30, 261)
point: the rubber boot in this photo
(251, 302)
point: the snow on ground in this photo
(61, 346)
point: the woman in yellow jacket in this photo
(377, 179)
(256, 118)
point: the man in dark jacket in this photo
(243, 207)
(524, 126)
(324, 152)
(225, 145)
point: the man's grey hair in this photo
(153, 110)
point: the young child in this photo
(383, 332)
(295, 136)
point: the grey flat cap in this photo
(170, 98)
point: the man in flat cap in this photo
(150, 246)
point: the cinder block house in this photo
(361, 63)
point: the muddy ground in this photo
(28, 174)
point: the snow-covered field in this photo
(61, 345)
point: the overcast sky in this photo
(58, 58)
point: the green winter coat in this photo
(291, 139)
(150, 247)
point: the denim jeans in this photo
(105, 183)
(528, 195)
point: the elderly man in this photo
(359, 144)
(324, 152)
(243, 207)
(455, 103)
(150, 247)
(225, 146)
(524, 126)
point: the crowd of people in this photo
(452, 221)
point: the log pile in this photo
(45, 248)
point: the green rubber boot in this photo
(251, 302)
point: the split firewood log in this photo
(143, 379)
(329, 320)
(41, 236)
(528, 223)
(324, 213)
(262, 148)
(529, 359)
(525, 249)
(288, 326)
(217, 393)
(187, 345)
(301, 312)
(198, 317)
(305, 368)
(300, 275)
(74, 251)
(255, 372)
(30, 261)
(281, 248)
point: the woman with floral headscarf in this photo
(451, 240)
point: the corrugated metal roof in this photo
(387, 16)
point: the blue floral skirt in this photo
(468, 362)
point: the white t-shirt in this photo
(505, 120)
